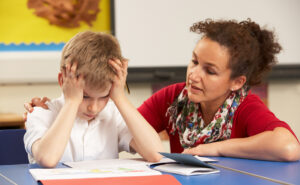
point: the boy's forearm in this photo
(48, 150)
(145, 137)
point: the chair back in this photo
(12, 150)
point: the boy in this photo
(84, 124)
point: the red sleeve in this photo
(253, 117)
(154, 108)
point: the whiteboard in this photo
(155, 33)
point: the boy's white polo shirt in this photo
(103, 138)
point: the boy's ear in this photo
(238, 83)
(60, 79)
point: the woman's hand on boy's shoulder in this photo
(35, 102)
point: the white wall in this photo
(12, 97)
(159, 29)
(284, 102)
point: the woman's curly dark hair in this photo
(252, 49)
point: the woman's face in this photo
(208, 75)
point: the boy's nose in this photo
(93, 107)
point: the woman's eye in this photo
(210, 71)
(195, 62)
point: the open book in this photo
(184, 164)
(107, 171)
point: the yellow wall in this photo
(20, 25)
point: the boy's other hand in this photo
(73, 84)
(119, 82)
(35, 102)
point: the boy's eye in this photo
(104, 97)
(86, 97)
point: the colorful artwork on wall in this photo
(33, 25)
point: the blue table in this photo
(19, 174)
(288, 172)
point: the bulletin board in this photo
(30, 45)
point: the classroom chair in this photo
(12, 150)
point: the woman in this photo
(214, 112)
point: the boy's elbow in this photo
(46, 161)
(154, 158)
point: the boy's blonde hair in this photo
(92, 51)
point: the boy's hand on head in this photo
(119, 82)
(72, 84)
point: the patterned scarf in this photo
(186, 118)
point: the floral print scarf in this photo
(186, 118)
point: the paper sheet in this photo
(79, 173)
(107, 163)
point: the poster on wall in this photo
(33, 33)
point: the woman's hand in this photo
(35, 102)
(119, 81)
(210, 149)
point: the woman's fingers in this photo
(43, 102)
(25, 116)
(28, 107)
(39, 102)
(36, 101)
(45, 99)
